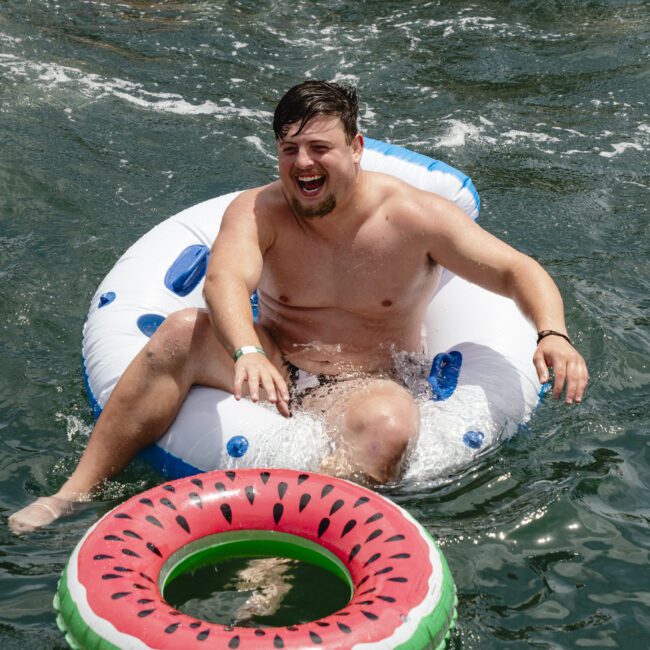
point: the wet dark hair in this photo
(311, 99)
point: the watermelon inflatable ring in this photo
(111, 592)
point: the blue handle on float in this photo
(187, 269)
(443, 377)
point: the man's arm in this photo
(474, 254)
(233, 274)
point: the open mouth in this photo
(310, 185)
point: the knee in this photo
(171, 345)
(383, 434)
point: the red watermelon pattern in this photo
(396, 569)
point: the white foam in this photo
(620, 147)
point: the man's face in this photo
(318, 168)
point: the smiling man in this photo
(345, 263)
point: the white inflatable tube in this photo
(482, 385)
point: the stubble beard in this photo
(316, 211)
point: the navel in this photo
(284, 298)
(386, 303)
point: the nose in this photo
(303, 159)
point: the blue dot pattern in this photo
(149, 323)
(106, 298)
(474, 439)
(237, 446)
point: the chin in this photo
(323, 208)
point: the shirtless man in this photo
(344, 262)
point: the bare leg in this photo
(374, 423)
(183, 352)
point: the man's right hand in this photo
(260, 373)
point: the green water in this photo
(115, 115)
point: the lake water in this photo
(115, 115)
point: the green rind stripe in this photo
(77, 632)
(435, 628)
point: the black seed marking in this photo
(374, 535)
(220, 487)
(304, 500)
(146, 577)
(343, 627)
(323, 526)
(196, 500)
(145, 612)
(152, 520)
(342, 614)
(369, 615)
(182, 522)
(129, 552)
(282, 488)
(278, 642)
(398, 579)
(166, 502)
(146, 502)
(198, 482)
(119, 594)
(226, 512)
(110, 576)
(170, 629)
(368, 591)
(259, 632)
(372, 558)
(394, 538)
(146, 601)
(278, 509)
(265, 477)
(374, 517)
(196, 624)
(400, 556)
(202, 636)
(122, 515)
(387, 599)
(355, 549)
(234, 642)
(113, 538)
(152, 547)
(337, 505)
(365, 602)
(386, 569)
(302, 478)
(169, 488)
(250, 493)
(326, 490)
(322, 623)
(360, 501)
(101, 556)
(314, 637)
(137, 586)
(363, 581)
(130, 533)
(348, 527)
(231, 475)
(122, 569)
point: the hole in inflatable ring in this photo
(255, 578)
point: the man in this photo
(344, 262)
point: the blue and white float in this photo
(477, 387)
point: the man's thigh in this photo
(208, 361)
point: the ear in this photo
(357, 148)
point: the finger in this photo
(281, 387)
(283, 408)
(541, 367)
(268, 386)
(582, 384)
(571, 382)
(254, 384)
(559, 374)
(240, 377)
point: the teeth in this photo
(306, 179)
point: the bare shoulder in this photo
(409, 206)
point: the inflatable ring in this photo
(479, 376)
(111, 591)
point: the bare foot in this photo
(265, 576)
(43, 512)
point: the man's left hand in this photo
(569, 368)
